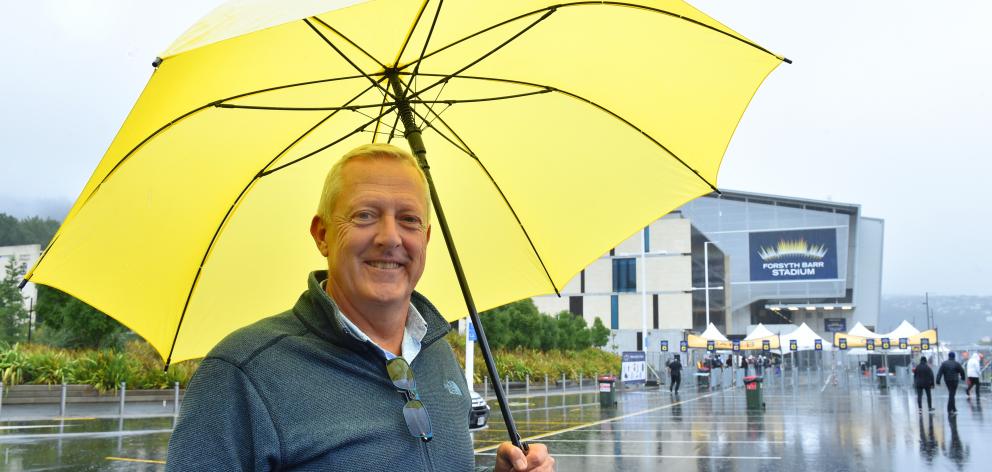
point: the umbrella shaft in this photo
(416, 141)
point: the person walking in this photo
(973, 369)
(675, 372)
(923, 381)
(950, 371)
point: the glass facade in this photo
(708, 262)
(731, 220)
(625, 274)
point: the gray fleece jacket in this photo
(296, 392)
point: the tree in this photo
(34, 230)
(13, 315)
(69, 322)
(573, 335)
(600, 334)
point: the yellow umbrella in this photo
(555, 131)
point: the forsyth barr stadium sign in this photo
(806, 254)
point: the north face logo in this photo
(453, 388)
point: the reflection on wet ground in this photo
(802, 428)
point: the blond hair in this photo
(334, 181)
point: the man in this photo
(950, 371)
(973, 369)
(675, 372)
(923, 381)
(357, 375)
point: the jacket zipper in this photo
(427, 457)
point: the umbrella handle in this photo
(416, 142)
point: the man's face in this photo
(376, 239)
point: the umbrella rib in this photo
(578, 4)
(322, 148)
(392, 132)
(347, 59)
(409, 34)
(263, 107)
(437, 96)
(593, 103)
(230, 210)
(486, 55)
(216, 103)
(487, 99)
(356, 46)
(423, 50)
(468, 151)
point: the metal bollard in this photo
(175, 401)
(1, 397)
(562, 384)
(545, 385)
(527, 384)
(506, 384)
(62, 401)
(485, 387)
(123, 393)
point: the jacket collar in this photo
(316, 311)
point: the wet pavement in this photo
(805, 426)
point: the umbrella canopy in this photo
(555, 131)
(805, 339)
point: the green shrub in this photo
(518, 363)
(105, 370)
(52, 367)
(13, 365)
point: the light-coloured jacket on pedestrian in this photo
(973, 368)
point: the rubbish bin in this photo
(607, 391)
(752, 389)
(883, 377)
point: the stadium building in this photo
(734, 259)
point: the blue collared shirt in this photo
(413, 333)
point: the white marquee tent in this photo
(805, 339)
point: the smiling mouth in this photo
(383, 265)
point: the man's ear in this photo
(429, 233)
(319, 233)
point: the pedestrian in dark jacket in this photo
(675, 372)
(951, 372)
(923, 381)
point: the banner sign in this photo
(835, 325)
(664, 346)
(793, 345)
(818, 344)
(736, 346)
(808, 254)
(925, 344)
(710, 346)
(767, 343)
(885, 343)
(903, 343)
(632, 367)
(842, 344)
(870, 344)
(683, 346)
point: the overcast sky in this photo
(887, 105)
